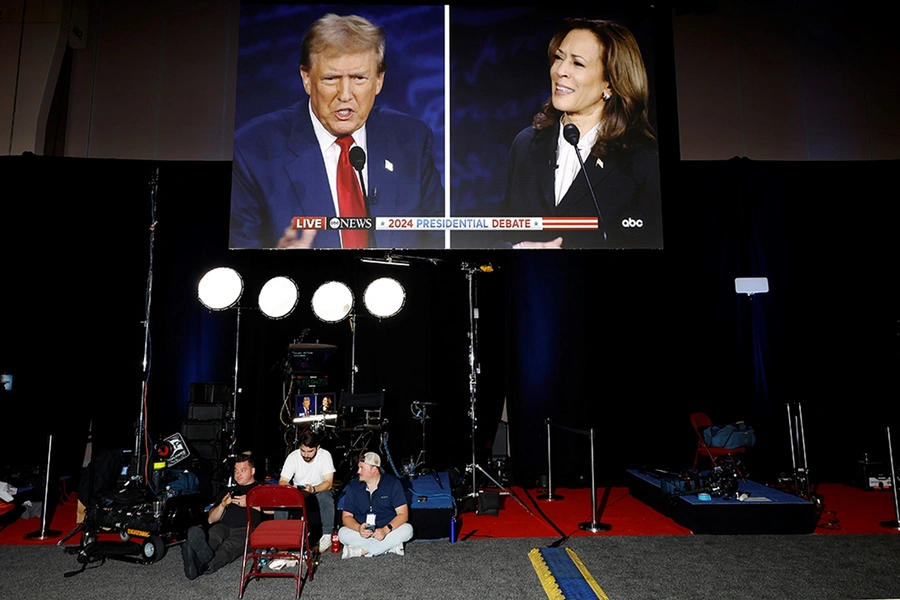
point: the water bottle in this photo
(335, 542)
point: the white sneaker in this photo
(398, 550)
(352, 552)
(278, 564)
(324, 543)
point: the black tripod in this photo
(420, 413)
(474, 368)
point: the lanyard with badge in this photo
(370, 516)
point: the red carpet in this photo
(847, 510)
(13, 534)
(626, 515)
(852, 510)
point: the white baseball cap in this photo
(371, 458)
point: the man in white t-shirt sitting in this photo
(311, 468)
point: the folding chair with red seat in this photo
(273, 539)
(701, 421)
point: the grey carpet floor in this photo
(689, 567)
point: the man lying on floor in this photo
(374, 512)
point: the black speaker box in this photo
(206, 412)
(211, 393)
(203, 431)
(211, 451)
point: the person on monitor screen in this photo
(598, 102)
(208, 551)
(306, 408)
(302, 160)
(311, 468)
(374, 512)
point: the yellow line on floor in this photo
(548, 582)
(587, 575)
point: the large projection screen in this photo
(453, 155)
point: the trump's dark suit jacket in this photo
(626, 187)
(279, 174)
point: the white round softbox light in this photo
(332, 302)
(278, 297)
(384, 297)
(220, 288)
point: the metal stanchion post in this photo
(594, 526)
(45, 533)
(895, 524)
(549, 495)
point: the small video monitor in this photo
(307, 404)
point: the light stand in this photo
(333, 302)
(231, 421)
(351, 318)
(221, 289)
(798, 450)
(138, 469)
(43, 533)
(895, 524)
(474, 367)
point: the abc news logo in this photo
(632, 222)
(334, 223)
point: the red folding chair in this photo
(701, 421)
(271, 539)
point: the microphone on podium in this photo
(572, 135)
(358, 160)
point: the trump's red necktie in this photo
(350, 199)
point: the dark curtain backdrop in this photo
(625, 342)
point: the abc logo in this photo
(334, 223)
(632, 223)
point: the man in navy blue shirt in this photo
(375, 514)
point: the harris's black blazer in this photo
(626, 185)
